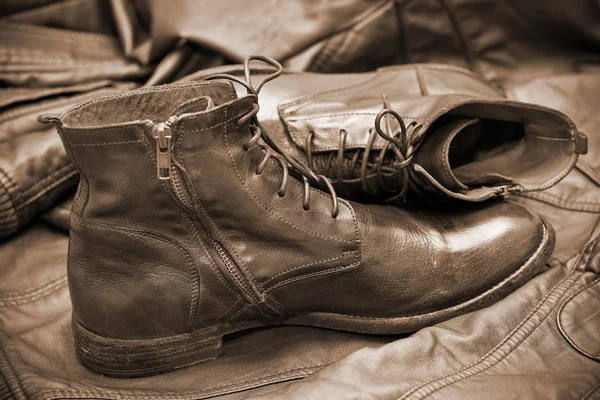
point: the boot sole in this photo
(123, 358)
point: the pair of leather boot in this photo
(192, 221)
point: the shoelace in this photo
(271, 149)
(404, 142)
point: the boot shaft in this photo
(501, 146)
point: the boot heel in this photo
(122, 358)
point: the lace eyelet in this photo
(257, 171)
(305, 207)
(246, 147)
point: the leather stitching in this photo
(82, 177)
(560, 321)
(37, 108)
(137, 92)
(193, 229)
(33, 187)
(103, 144)
(344, 254)
(309, 99)
(257, 287)
(558, 201)
(237, 386)
(454, 376)
(227, 311)
(240, 312)
(589, 394)
(216, 229)
(11, 376)
(421, 82)
(470, 57)
(28, 296)
(339, 115)
(277, 215)
(312, 274)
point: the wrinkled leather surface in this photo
(324, 105)
(34, 169)
(527, 345)
(299, 261)
(520, 353)
(520, 45)
(38, 362)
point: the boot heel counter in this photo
(129, 283)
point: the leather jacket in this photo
(541, 341)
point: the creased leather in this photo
(512, 349)
(502, 41)
(296, 253)
(35, 172)
(322, 106)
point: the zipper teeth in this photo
(178, 189)
(230, 265)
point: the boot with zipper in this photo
(190, 223)
(421, 132)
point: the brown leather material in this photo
(35, 172)
(537, 342)
(315, 109)
(521, 352)
(434, 155)
(38, 354)
(44, 56)
(225, 250)
(504, 42)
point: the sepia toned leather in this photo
(527, 345)
(35, 172)
(38, 357)
(519, 347)
(315, 110)
(307, 266)
(506, 42)
(543, 52)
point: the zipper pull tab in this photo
(163, 150)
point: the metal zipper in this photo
(232, 268)
(166, 170)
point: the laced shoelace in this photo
(271, 149)
(403, 141)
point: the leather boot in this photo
(447, 135)
(190, 223)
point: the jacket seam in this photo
(471, 59)
(453, 375)
(560, 320)
(28, 296)
(254, 382)
(591, 392)
(12, 378)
